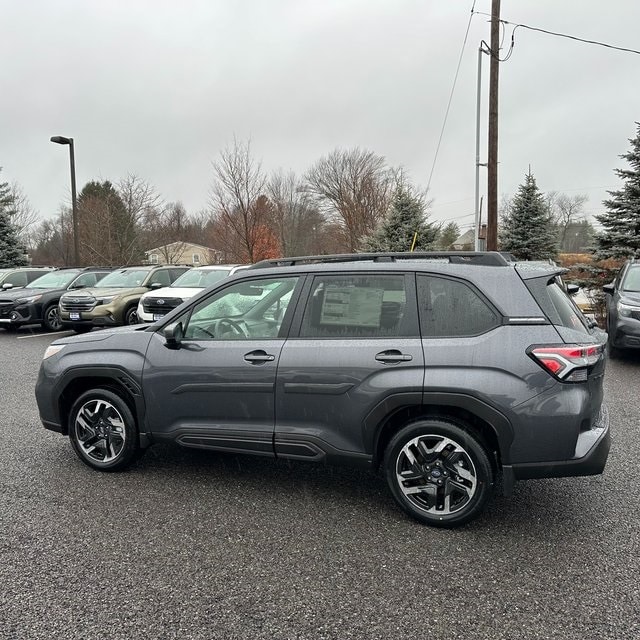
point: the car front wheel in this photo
(103, 431)
(51, 318)
(131, 316)
(439, 472)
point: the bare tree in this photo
(565, 211)
(52, 240)
(238, 184)
(23, 215)
(165, 230)
(296, 219)
(353, 187)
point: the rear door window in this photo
(358, 306)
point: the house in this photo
(465, 242)
(183, 253)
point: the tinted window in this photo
(244, 310)
(450, 308)
(569, 314)
(357, 307)
(16, 279)
(162, 277)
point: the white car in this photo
(155, 304)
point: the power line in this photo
(453, 88)
(562, 35)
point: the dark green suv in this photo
(114, 301)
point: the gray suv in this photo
(452, 373)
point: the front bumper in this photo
(590, 458)
(21, 314)
(626, 333)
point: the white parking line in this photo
(39, 335)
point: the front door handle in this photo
(393, 355)
(259, 356)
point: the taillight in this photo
(569, 363)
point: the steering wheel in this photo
(197, 328)
(226, 325)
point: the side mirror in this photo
(156, 285)
(7, 285)
(77, 286)
(572, 289)
(609, 288)
(173, 335)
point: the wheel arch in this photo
(391, 415)
(114, 380)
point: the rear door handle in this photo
(393, 355)
(259, 356)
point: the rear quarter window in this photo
(568, 315)
(452, 308)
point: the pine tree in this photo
(621, 221)
(449, 234)
(405, 218)
(11, 251)
(527, 229)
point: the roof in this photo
(180, 242)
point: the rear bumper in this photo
(592, 450)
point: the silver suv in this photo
(452, 373)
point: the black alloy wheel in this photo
(51, 318)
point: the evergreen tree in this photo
(405, 218)
(621, 221)
(11, 251)
(449, 234)
(527, 229)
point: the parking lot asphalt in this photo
(191, 544)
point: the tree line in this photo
(349, 200)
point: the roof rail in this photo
(487, 258)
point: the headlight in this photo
(626, 309)
(106, 299)
(29, 299)
(52, 350)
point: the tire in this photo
(51, 318)
(448, 463)
(103, 431)
(131, 316)
(81, 328)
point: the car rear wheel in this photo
(51, 318)
(439, 472)
(102, 430)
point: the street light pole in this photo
(74, 206)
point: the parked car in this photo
(21, 276)
(114, 301)
(623, 308)
(38, 303)
(155, 304)
(450, 372)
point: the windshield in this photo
(200, 278)
(632, 280)
(124, 278)
(54, 280)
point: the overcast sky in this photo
(157, 88)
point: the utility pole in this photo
(492, 157)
